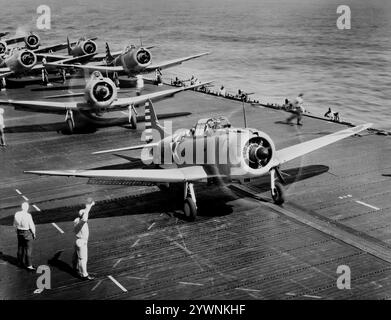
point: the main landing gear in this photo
(70, 121)
(277, 190)
(132, 116)
(189, 204)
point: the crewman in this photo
(222, 91)
(328, 113)
(80, 255)
(159, 77)
(25, 231)
(2, 126)
(45, 75)
(298, 110)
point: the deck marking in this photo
(36, 208)
(135, 244)
(310, 296)
(97, 285)
(367, 205)
(325, 226)
(246, 289)
(57, 227)
(137, 278)
(118, 261)
(18, 192)
(150, 227)
(38, 291)
(345, 196)
(183, 248)
(25, 198)
(118, 284)
(191, 283)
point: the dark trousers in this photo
(25, 247)
(2, 139)
(296, 115)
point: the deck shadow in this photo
(212, 201)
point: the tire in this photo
(279, 194)
(189, 209)
(70, 126)
(133, 121)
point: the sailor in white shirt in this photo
(25, 230)
(80, 255)
(298, 110)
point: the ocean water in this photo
(275, 49)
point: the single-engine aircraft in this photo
(132, 61)
(100, 96)
(211, 149)
(31, 41)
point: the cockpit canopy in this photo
(207, 125)
(128, 48)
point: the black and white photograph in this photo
(218, 151)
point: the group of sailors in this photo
(26, 234)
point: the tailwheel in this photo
(190, 209)
(70, 126)
(278, 193)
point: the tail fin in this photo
(109, 57)
(69, 47)
(152, 122)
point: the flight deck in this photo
(241, 246)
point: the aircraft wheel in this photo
(164, 187)
(133, 121)
(190, 209)
(70, 126)
(279, 194)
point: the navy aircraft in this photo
(31, 41)
(211, 149)
(131, 61)
(100, 97)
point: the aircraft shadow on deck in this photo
(291, 176)
(212, 201)
(59, 127)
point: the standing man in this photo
(2, 126)
(298, 110)
(80, 256)
(159, 77)
(25, 230)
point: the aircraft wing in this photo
(57, 47)
(303, 148)
(5, 72)
(102, 69)
(14, 40)
(193, 173)
(172, 63)
(41, 106)
(155, 96)
(53, 48)
(141, 146)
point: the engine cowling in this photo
(3, 47)
(32, 41)
(256, 153)
(21, 60)
(84, 47)
(100, 91)
(136, 60)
